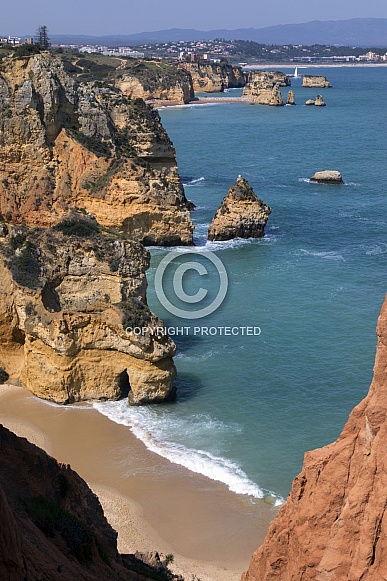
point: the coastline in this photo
(153, 504)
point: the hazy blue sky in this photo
(127, 16)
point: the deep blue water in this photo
(249, 407)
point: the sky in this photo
(99, 17)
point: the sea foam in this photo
(155, 428)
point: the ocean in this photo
(249, 405)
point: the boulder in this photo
(241, 214)
(327, 177)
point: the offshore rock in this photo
(319, 102)
(263, 87)
(66, 145)
(69, 299)
(213, 77)
(241, 215)
(333, 525)
(327, 177)
(315, 81)
(290, 99)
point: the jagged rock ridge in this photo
(334, 523)
(52, 525)
(66, 144)
(69, 300)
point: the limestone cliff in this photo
(334, 523)
(69, 300)
(315, 81)
(151, 80)
(213, 77)
(263, 87)
(66, 144)
(241, 214)
(52, 525)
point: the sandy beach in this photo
(153, 504)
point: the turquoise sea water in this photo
(248, 407)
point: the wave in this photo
(327, 255)
(193, 182)
(377, 249)
(154, 430)
(347, 184)
(204, 245)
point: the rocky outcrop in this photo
(213, 77)
(290, 98)
(263, 87)
(327, 176)
(315, 81)
(66, 145)
(333, 525)
(319, 102)
(241, 215)
(150, 80)
(70, 298)
(52, 525)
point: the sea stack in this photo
(327, 176)
(316, 81)
(290, 100)
(241, 214)
(263, 87)
(319, 102)
(334, 521)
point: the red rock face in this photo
(333, 526)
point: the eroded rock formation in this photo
(69, 299)
(334, 523)
(52, 525)
(290, 99)
(318, 102)
(65, 144)
(315, 81)
(263, 87)
(327, 176)
(241, 214)
(157, 81)
(213, 77)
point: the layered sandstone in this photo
(214, 77)
(316, 81)
(334, 523)
(290, 98)
(52, 525)
(327, 176)
(241, 214)
(70, 298)
(157, 81)
(66, 145)
(263, 87)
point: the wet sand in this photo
(153, 504)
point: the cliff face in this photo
(214, 78)
(314, 81)
(262, 87)
(241, 214)
(334, 523)
(65, 144)
(52, 525)
(69, 299)
(157, 81)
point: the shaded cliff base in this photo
(154, 505)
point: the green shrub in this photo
(73, 227)
(25, 267)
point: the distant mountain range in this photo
(354, 32)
